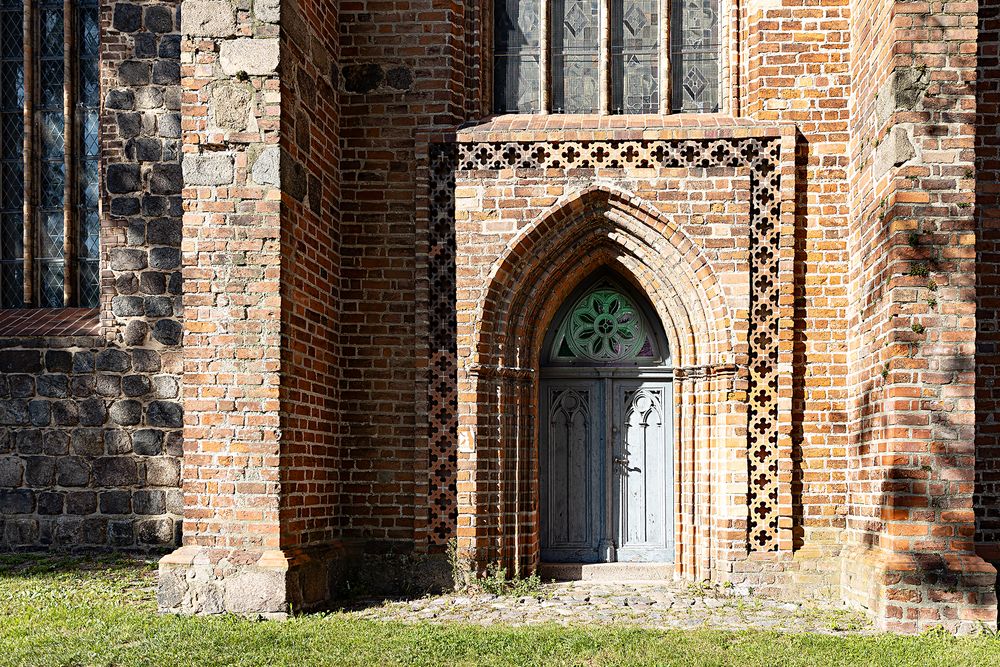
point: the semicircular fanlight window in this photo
(604, 327)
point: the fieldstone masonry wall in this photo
(90, 418)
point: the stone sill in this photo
(569, 127)
(49, 322)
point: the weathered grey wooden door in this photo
(605, 446)
(642, 471)
(572, 463)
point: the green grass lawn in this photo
(102, 612)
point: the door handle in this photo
(624, 463)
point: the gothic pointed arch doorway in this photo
(606, 451)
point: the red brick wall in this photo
(913, 281)
(988, 280)
(310, 274)
(233, 307)
(871, 50)
(798, 72)
(401, 70)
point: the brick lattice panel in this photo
(761, 156)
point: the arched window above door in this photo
(606, 56)
(604, 324)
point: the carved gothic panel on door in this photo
(641, 472)
(571, 469)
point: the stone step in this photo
(613, 572)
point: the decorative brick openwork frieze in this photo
(760, 155)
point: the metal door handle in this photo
(624, 463)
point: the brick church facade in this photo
(294, 290)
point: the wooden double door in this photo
(606, 469)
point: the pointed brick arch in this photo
(604, 225)
(500, 335)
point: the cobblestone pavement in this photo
(654, 605)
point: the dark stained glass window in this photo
(694, 59)
(11, 153)
(516, 52)
(51, 154)
(635, 56)
(63, 151)
(88, 153)
(576, 30)
(628, 75)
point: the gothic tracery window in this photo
(49, 102)
(604, 326)
(606, 56)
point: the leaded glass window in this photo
(11, 153)
(88, 227)
(576, 29)
(635, 56)
(605, 327)
(694, 48)
(606, 56)
(50, 124)
(53, 176)
(516, 54)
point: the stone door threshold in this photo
(611, 572)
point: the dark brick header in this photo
(29, 322)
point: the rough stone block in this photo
(126, 413)
(208, 169)
(149, 502)
(65, 413)
(158, 18)
(231, 105)
(87, 441)
(51, 503)
(895, 150)
(11, 471)
(162, 472)
(16, 501)
(167, 332)
(14, 413)
(166, 179)
(115, 471)
(72, 471)
(127, 17)
(268, 11)
(116, 502)
(81, 503)
(267, 168)
(148, 442)
(208, 18)
(40, 471)
(156, 532)
(165, 414)
(256, 57)
(256, 591)
(20, 361)
(123, 178)
(134, 73)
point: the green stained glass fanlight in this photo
(605, 327)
